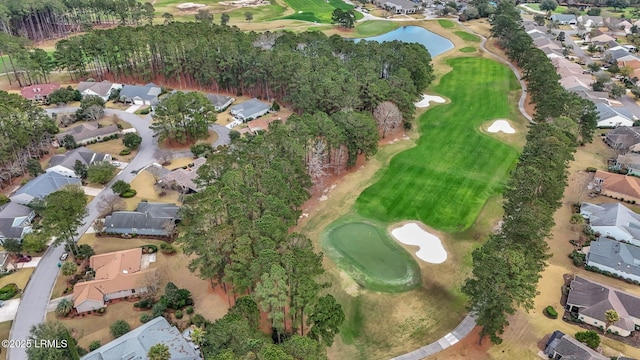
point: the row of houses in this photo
(594, 22)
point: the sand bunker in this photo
(426, 99)
(189, 6)
(501, 126)
(430, 247)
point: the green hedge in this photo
(8, 291)
(549, 310)
(125, 152)
(129, 194)
(145, 248)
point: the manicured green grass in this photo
(445, 180)
(375, 27)
(364, 250)
(468, 49)
(466, 36)
(447, 24)
(316, 10)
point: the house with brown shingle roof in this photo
(87, 132)
(182, 179)
(117, 274)
(589, 301)
(622, 187)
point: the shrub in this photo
(589, 337)
(591, 169)
(119, 328)
(129, 194)
(158, 309)
(4, 199)
(102, 310)
(551, 312)
(198, 320)
(189, 310)
(144, 318)
(131, 140)
(167, 248)
(125, 152)
(136, 304)
(8, 291)
(149, 248)
(178, 314)
(145, 304)
(95, 344)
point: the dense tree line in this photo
(49, 19)
(308, 70)
(26, 131)
(237, 227)
(506, 269)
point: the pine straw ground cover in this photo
(446, 179)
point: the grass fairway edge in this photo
(364, 250)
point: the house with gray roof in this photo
(610, 117)
(153, 219)
(613, 220)
(182, 179)
(15, 221)
(102, 89)
(220, 102)
(64, 164)
(399, 6)
(88, 132)
(561, 346)
(591, 21)
(629, 162)
(615, 257)
(588, 300)
(623, 138)
(250, 109)
(617, 52)
(136, 343)
(140, 95)
(41, 186)
(564, 19)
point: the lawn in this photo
(447, 24)
(316, 10)
(112, 147)
(143, 184)
(468, 49)
(20, 278)
(364, 250)
(467, 36)
(374, 28)
(446, 179)
(5, 328)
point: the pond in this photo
(435, 43)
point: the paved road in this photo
(33, 305)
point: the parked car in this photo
(23, 258)
(64, 256)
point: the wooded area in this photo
(506, 269)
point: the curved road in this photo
(33, 304)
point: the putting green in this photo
(468, 49)
(466, 36)
(447, 24)
(364, 250)
(445, 180)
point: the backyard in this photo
(447, 178)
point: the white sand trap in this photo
(427, 99)
(501, 126)
(430, 246)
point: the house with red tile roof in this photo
(39, 93)
(617, 186)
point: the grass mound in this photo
(468, 49)
(447, 24)
(375, 27)
(445, 180)
(364, 250)
(466, 36)
(316, 10)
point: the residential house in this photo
(591, 21)
(617, 52)
(552, 53)
(629, 162)
(182, 179)
(633, 64)
(612, 220)
(589, 301)
(152, 219)
(250, 109)
(39, 93)
(617, 186)
(102, 89)
(399, 6)
(140, 95)
(136, 343)
(615, 257)
(64, 164)
(545, 42)
(561, 346)
(261, 124)
(15, 221)
(220, 102)
(602, 39)
(88, 132)
(564, 19)
(117, 274)
(610, 117)
(41, 186)
(585, 92)
(623, 137)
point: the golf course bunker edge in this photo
(430, 248)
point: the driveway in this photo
(91, 191)
(9, 310)
(31, 264)
(35, 298)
